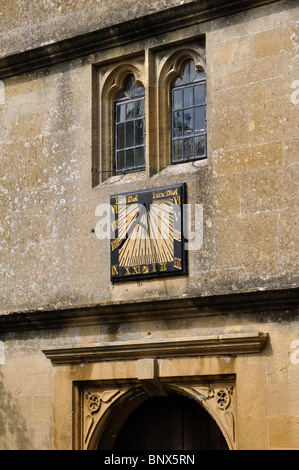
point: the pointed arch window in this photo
(189, 130)
(129, 106)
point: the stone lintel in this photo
(230, 344)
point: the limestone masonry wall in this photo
(50, 254)
(51, 259)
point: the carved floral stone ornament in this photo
(217, 401)
(224, 398)
(94, 401)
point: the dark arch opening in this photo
(170, 423)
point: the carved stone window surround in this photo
(154, 68)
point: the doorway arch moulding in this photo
(101, 414)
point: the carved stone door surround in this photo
(102, 410)
(98, 387)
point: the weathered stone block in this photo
(233, 52)
(283, 432)
(291, 151)
(247, 241)
(273, 41)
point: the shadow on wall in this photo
(14, 434)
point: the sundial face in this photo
(147, 234)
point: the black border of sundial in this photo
(146, 197)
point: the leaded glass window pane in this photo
(177, 124)
(178, 99)
(121, 160)
(139, 156)
(189, 115)
(129, 127)
(178, 150)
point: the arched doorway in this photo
(174, 422)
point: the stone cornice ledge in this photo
(278, 304)
(231, 344)
(123, 33)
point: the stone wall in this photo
(51, 259)
(28, 25)
(265, 383)
(50, 254)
